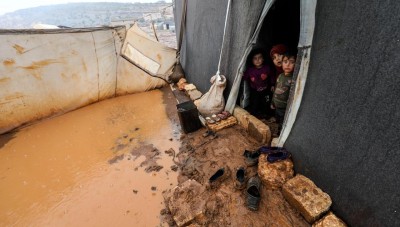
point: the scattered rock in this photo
(306, 197)
(274, 175)
(135, 191)
(153, 188)
(329, 220)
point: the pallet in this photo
(230, 121)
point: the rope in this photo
(223, 39)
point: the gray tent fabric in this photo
(346, 134)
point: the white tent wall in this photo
(49, 72)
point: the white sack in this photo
(213, 101)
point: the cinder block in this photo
(306, 197)
(256, 128)
(274, 175)
(329, 220)
(242, 116)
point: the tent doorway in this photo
(281, 25)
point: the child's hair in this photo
(253, 53)
(290, 54)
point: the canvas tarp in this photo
(48, 72)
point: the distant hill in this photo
(78, 15)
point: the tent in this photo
(46, 72)
(342, 124)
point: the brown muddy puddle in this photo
(88, 168)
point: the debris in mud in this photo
(170, 152)
(116, 159)
(135, 191)
(155, 168)
(153, 188)
(174, 168)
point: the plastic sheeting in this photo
(48, 72)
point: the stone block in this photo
(185, 202)
(255, 127)
(306, 197)
(329, 220)
(242, 116)
(274, 175)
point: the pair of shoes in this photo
(240, 178)
(278, 155)
(218, 177)
(251, 157)
(215, 118)
(253, 193)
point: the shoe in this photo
(253, 193)
(240, 178)
(278, 155)
(251, 157)
(218, 177)
(215, 118)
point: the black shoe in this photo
(251, 157)
(219, 176)
(253, 193)
(240, 178)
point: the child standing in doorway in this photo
(282, 88)
(276, 55)
(259, 77)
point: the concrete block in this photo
(306, 197)
(256, 128)
(186, 203)
(274, 175)
(329, 220)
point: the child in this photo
(258, 76)
(282, 88)
(276, 54)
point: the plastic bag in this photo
(213, 101)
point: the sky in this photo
(7, 6)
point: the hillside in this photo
(78, 15)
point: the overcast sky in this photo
(7, 6)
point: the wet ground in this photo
(201, 157)
(102, 165)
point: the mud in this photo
(199, 158)
(96, 166)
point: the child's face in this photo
(258, 60)
(288, 64)
(277, 59)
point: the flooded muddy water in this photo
(101, 165)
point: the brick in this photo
(306, 197)
(329, 220)
(256, 128)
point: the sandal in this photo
(253, 193)
(222, 116)
(215, 118)
(226, 113)
(210, 121)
